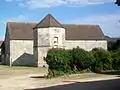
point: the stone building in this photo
(0, 46)
(1, 42)
(28, 43)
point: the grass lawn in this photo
(7, 71)
(21, 68)
(26, 77)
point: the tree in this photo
(114, 45)
(103, 59)
(117, 2)
(82, 59)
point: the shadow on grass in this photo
(38, 77)
(94, 85)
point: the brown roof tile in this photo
(83, 32)
(48, 21)
(1, 43)
(20, 30)
(24, 31)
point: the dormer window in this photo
(55, 39)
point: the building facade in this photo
(1, 42)
(28, 43)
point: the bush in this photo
(103, 59)
(114, 45)
(116, 60)
(61, 61)
(58, 61)
(82, 59)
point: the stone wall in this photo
(86, 44)
(57, 32)
(6, 57)
(0, 51)
(41, 44)
(0, 56)
(45, 41)
(21, 52)
(42, 52)
(35, 48)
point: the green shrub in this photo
(116, 60)
(82, 59)
(61, 61)
(103, 59)
(114, 45)
(58, 61)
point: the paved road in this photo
(97, 85)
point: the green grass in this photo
(112, 72)
(23, 68)
(7, 71)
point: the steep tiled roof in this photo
(24, 31)
(1, 43)
(20, 30)
(48, 21)
(73, 32)
(83, 32)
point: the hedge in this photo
(58, 61)
(82, 59)
(103, 59)
(61, 61)
(116, 60)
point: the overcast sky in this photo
(102, 12)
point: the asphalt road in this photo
(97, 85)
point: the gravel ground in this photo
(20, 78)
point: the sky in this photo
(102, 12)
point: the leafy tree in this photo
(114, 45)
(58, 61)
(117, 2)
(82, 59)
(116, 60)
(103, 59)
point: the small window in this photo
(55, 39)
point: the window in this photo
(55, 39)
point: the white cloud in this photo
(42, 3)
(53, 3)
(109, 22)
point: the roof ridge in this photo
(48, 21)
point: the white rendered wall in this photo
(21, 52)
(86, 44)
(57, 32)
(45, 41)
